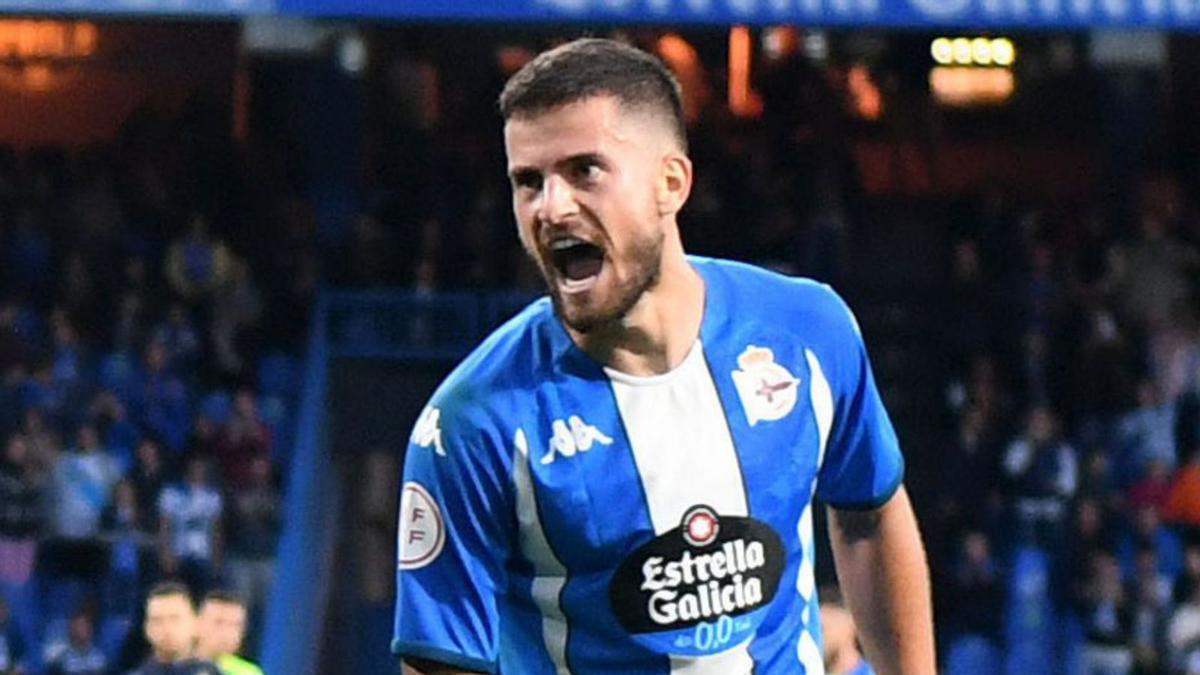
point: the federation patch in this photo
(422, 530)
(767, 389)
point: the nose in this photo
(556, 201)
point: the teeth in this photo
(565, 243)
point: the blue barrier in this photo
(1179, 15)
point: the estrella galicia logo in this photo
(709, 568)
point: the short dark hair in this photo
(224, 595)
(165, 589)
(594, 67)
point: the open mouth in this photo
(576, 262)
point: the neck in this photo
(660, 330)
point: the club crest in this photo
(767, 389)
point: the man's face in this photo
(170, 627)
(222, 628)
(585, 178)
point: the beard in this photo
(604, 307)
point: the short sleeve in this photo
(453, 543)
(862, 466)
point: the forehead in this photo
(596, 124)
(168, 604)
(222, 610)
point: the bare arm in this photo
(884, 578)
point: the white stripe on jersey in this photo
(821, 395)
(685, 456)
(549, 572)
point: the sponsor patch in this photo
(422, 531)
(685, 590)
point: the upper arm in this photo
(453, 543)
(862, 467)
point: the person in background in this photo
(12, 645)
(1044, 474)
(171, 630)
(222, 629)
(1107, 617)
(79, 655)
(843, 654)
(190, 538)
(254, 519)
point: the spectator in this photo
(179, 337)
(131, 550)
(255, 517)
(12, 646)
(22, 496)
(1091, 533)
(1148, 533)
(1152, 608)
(1107, 618)
(977, 609)
(1153, 489)
(1147, 433)
(83, 481)
(244, 438)
(190, 538)
(162, 398)
(1189, 578)
(1183, 633)
(197, 265)
(237, 309)
(1044, 474)
(43, 441)
(149, 476)
(120, 435)
(79, 655)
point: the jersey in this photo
(231, 664)
(557, 516)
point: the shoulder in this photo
(500, 371)
(794, 303)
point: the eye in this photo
(527, 180)
(586, 171)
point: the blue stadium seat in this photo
(973, 655)
(277, 374)
(217, 406)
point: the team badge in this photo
(422, 531)
(767, 389)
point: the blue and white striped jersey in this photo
(561, 517)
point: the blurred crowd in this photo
(1073, 430)
(151, 311)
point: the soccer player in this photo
(620, 479)
(171, 630)
(222, 629)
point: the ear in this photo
(674, 183)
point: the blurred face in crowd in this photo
(88, 438)
(1041, 425)
(170, 627)
(222, 626)
(197, 472)
(80, 631)
(16, 450)
(148, 455)
(588, 180)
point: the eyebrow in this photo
(578, 157)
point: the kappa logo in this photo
(573, 436)
(767, 389)
(427, 432)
